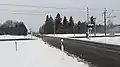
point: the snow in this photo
(34, 53)
(76, 35)
(72, 35)
(14, 37)
(65, 35)
(107, 40)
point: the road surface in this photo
(102, 55)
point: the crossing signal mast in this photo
(87, 33)
(90, 25)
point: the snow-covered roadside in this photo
(75, 35)
(15, 37)
(34, 53)
(64, 35)
(107, 40)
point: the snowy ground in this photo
(33, 53)
(107, 40)
(65, 35)
(14, 37)
(76, 35)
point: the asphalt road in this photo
(99, 54)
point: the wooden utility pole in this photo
(94, 26)
(105, 24)
(54, 28)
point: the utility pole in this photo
(105, 24)
(87, 15)
(54, 27)
(74, 30)
(94, 26)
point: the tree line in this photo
(58, 25)
(10, 27)
(67, 26)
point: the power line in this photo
(33, 6)
(42, 6)
(95, 9)
(27, 13)
(115, 10)
(51, 7)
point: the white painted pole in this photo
(62, 49)
(31, 34)
(16, 46)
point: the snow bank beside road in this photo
(107, 40)
(65, 35)
(74, 35)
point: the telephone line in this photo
(51, 7)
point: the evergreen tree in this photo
(65, 24)
(83, 28)
(47, 18)
(71, 21)
(23, 29)
(50, 28)
(41, 29)
(46, 24)
(58, 23)
(79, 27)
(71, 25)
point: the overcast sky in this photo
(35, 17)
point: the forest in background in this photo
(68, 26)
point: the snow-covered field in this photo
(14, 37)
(33, 53)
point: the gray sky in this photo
(34, 20)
